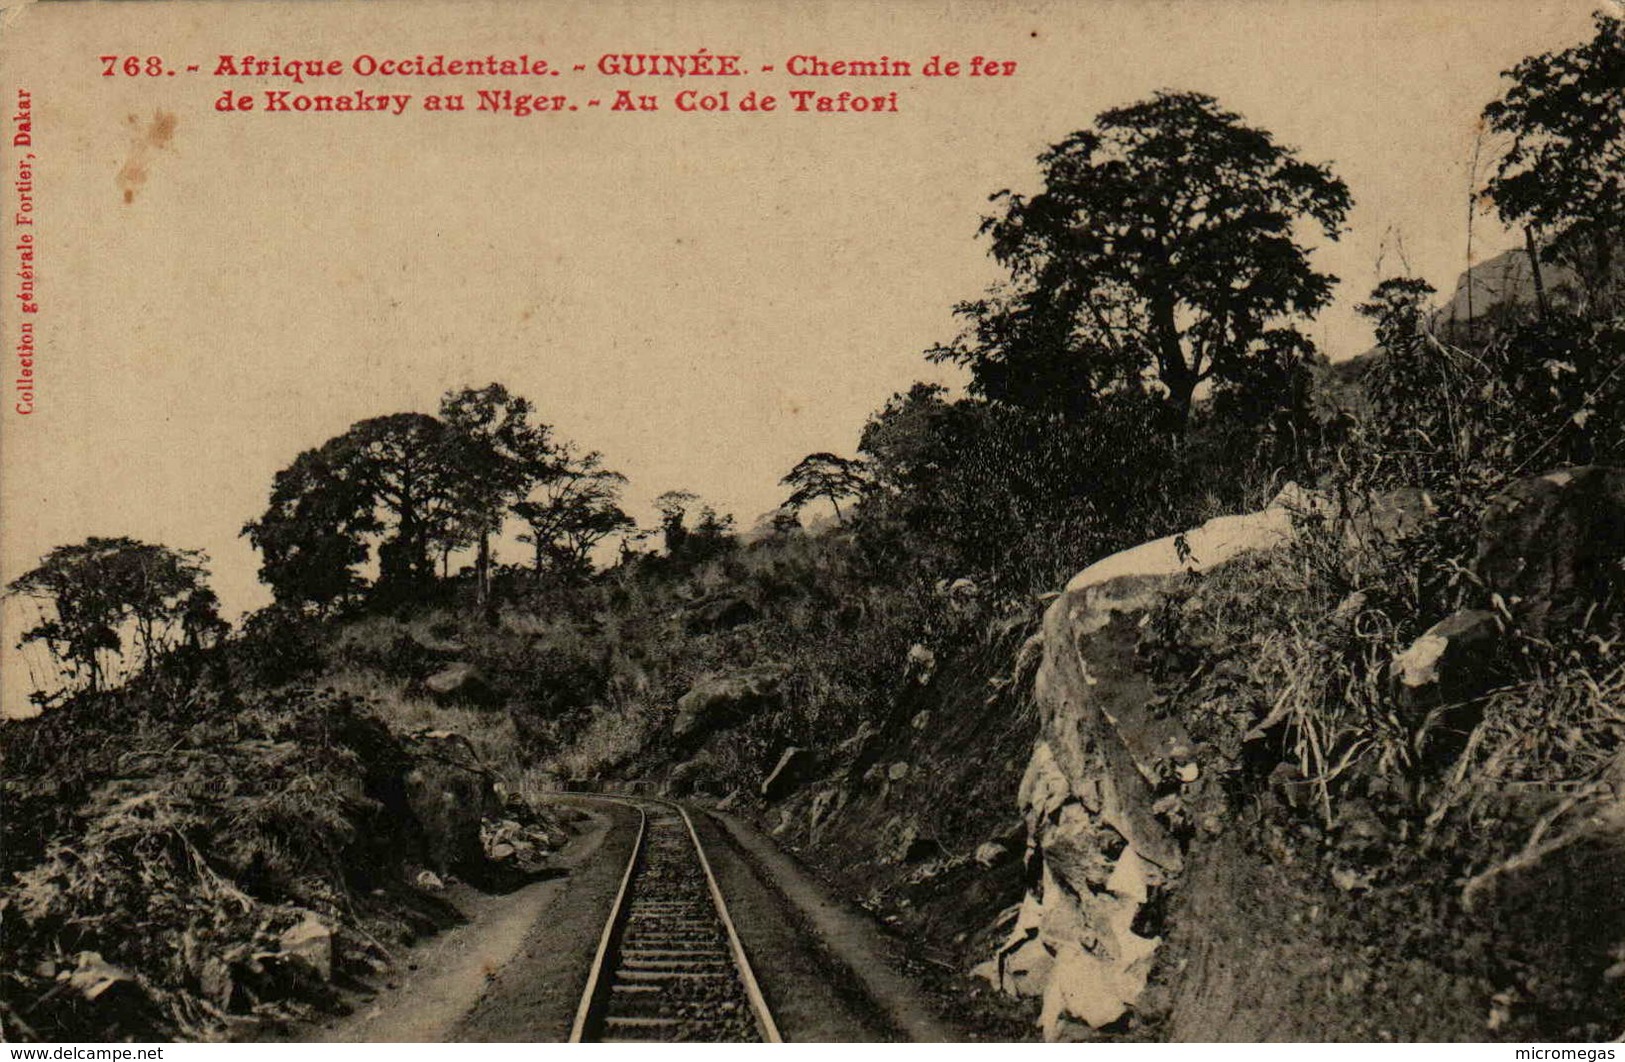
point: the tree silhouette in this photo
(1565, 112)
(824, 475)
(1163, 247)
(495, 455)
(574, 509)
(100, 587)
(712, 533)
(1395, 308)
(313, 533)
(406, 461)
(391, 475)
(673, 507)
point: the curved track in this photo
(670, 966)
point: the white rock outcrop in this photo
(1098, 852)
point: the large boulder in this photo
(717, 702)
(719, 614)
(690, 775)
(521, 845)
(449, 791)
(461, 683)
(1449, 662)
(310, 942)
(1099, 854)
(1551, 546)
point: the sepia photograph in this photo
(845, 521)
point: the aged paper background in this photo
(703, 297)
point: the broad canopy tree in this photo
(824, 475)
(711, 534)
(498, 454)
(104, 588)
(405, 463)
(1163, 248)
(313, 534)
(1563, 174)
(419, 487)
(576, 507)
(388, 475)
(963, 484)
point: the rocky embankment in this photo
(1100, 843)
(1118, 795)
(213, 875)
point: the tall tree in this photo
(711, 534)
(314, 532)
(495, 454)
(824, 475)
(1564, 171)
(574, 509)
(1163, 247)
(673, 507)
(98, 589)
(163, 594)
(403, 460)
(389, 476)
(900, 441)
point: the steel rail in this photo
(753, 991)
(598, 977)
(597, 982)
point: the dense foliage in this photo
(1163, 247)
(106, 590)
(1562, 173)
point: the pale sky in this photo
(704, 298)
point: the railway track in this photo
(670, 966)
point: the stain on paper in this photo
(149, 137)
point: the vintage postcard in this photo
(704, 520)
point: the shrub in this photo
(193, 850)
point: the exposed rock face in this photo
(719, 701)
(1551, 545)
(449, 791)
(1098, 854)
(1101, 847)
